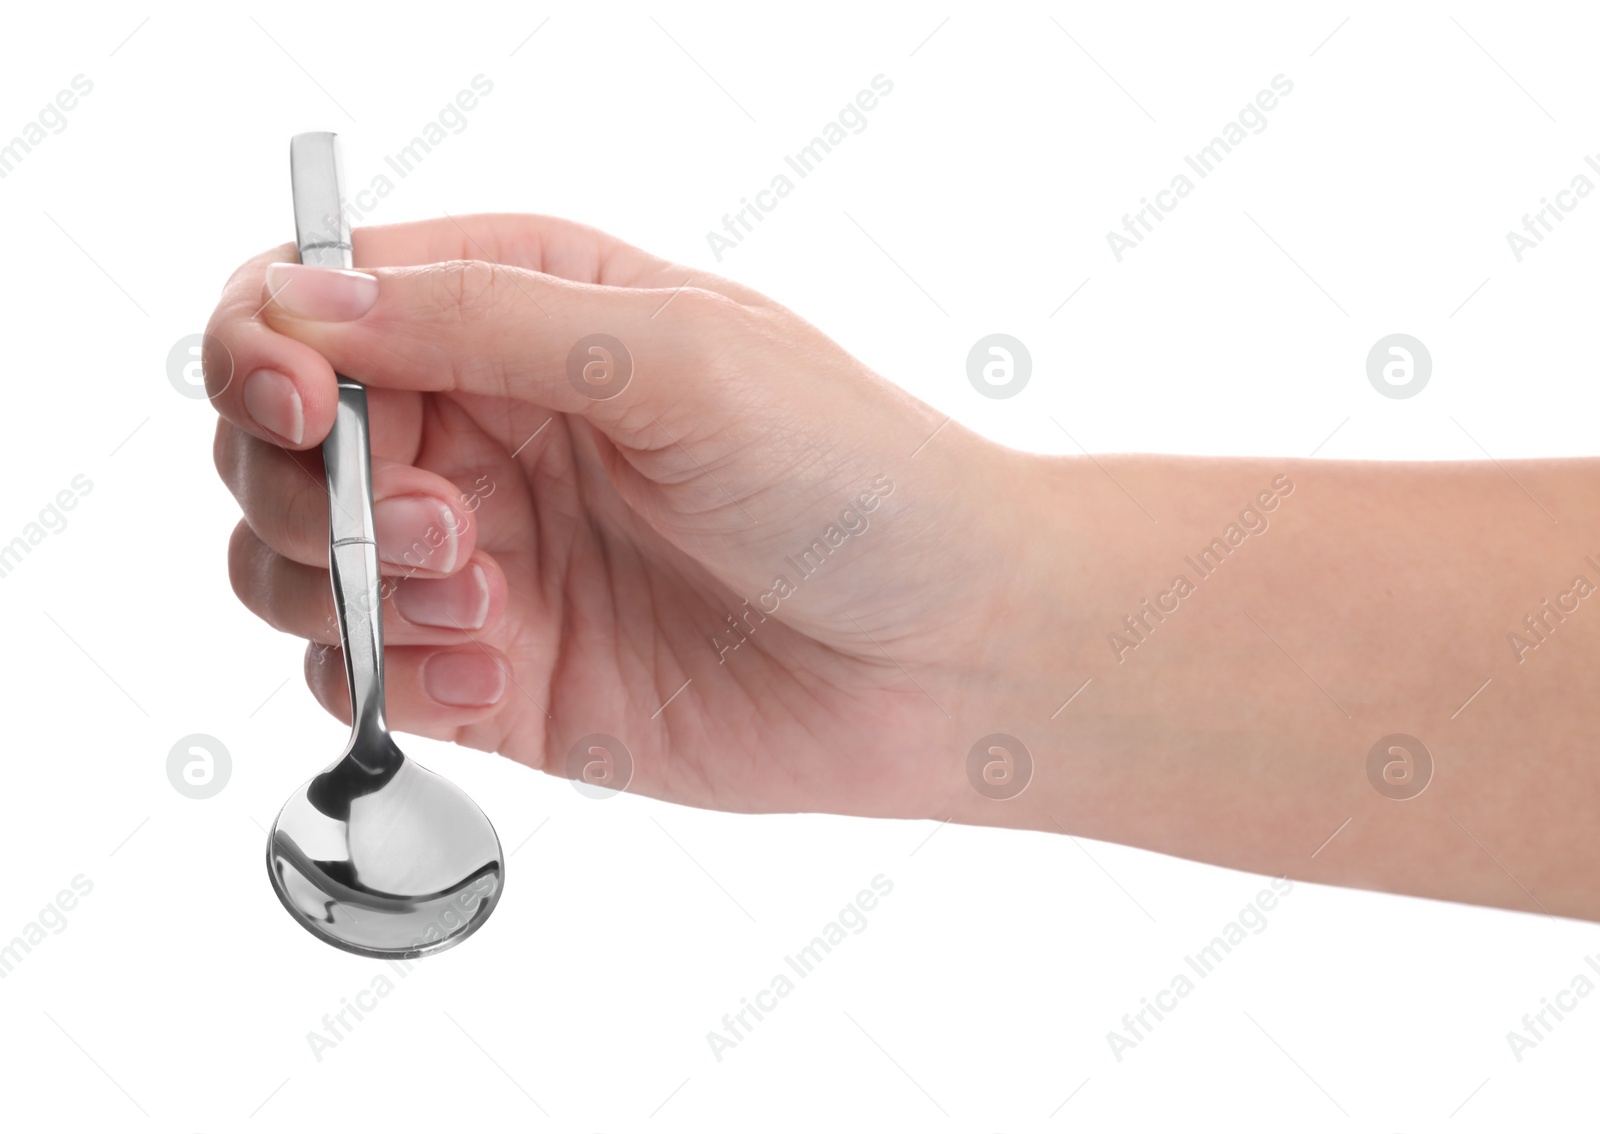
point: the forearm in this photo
(1230, 718)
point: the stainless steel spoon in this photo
(376, 855)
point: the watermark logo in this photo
(50, 521)
(337, 1026)
(1252, 117)
(1399, 366)
(1543, 220)
(1399, 766)
(1538, 1026)
(199, 766)
(803, 565)
(190, 358)
(851, 119)
(361, 203)
(1137, 627)
(999, 766)
(53, 918)
(1540, 626)
(851, 921)
(51, 119)
(999, 366)
(599, 367)
(1252, 921)
(600, 766)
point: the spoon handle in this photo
(353, 559)
(322, 230)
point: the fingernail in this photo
(272, 400)
(416, 531)
(465, 679)
(460, 602)
(328, 295)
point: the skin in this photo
(616, 536)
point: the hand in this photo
(564, 564)
(740, 561)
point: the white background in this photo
(179, 995)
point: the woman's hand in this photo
(751, 565)
(710, 534)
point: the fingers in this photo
(430, 691)
(298, 599)
(282, 390)
(473, 327)
(551, 245)
(418, 521)
(279, 389)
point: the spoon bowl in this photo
(382, 857)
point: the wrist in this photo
(1034, 653)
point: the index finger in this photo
(283, 391)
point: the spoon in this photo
(375, 855)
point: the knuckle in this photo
(702, 305)
(243, 575)
(322, 663)
(216, 363)
(285, 506)
(246, 278)
(467, 288)
(222, 451)
(712, 328)
(302, 521)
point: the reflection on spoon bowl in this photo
(381, 857)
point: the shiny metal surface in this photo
(376, 854)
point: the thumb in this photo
(472, 326)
